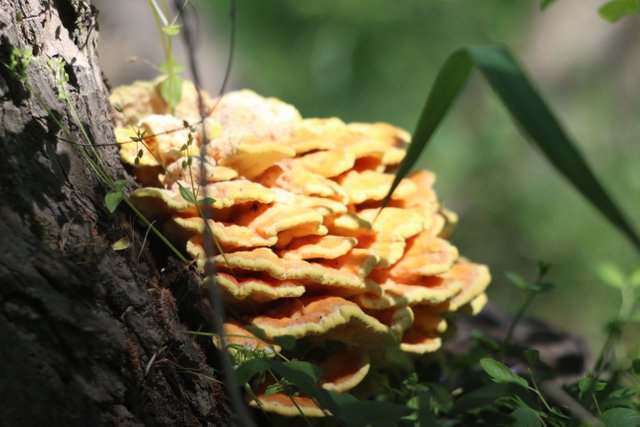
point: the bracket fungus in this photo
(296, 209)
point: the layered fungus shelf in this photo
(306, 251)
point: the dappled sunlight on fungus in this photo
(307, 251)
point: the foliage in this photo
(487, 388)
(482, 390)
(171, 85)
(365, 60)
(528, 110)
(515, 397)
(614, 10)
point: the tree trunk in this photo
(89, 335)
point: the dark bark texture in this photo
(89, 335)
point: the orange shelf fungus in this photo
(288, 406)
(296, 209)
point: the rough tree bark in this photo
(87, 337)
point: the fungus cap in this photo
(237, 337)
(307, 250)
(333, 318)
(288, 406)
(343, 370)
(242, 290)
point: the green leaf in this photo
(634, 280)
(301, 374)
(121, 244)
(526, 286)
(287, 342)
(486, 396)
(206, 201)
(369, 413)
(426, 415)
(348, 409)
(187, 194)
(612, 276)
(171, 66)
(635, 366)
(258, 332)
(517, 280)
(440, 397)
(171, 90)
(616, 9)
(615, 327)
(273, 389)
(528, 111)
(120, 184)
(589, 384)
(543, 268)
(171, 29)
(621, 417)
(500, 373)
(532, 357)
(305, 377)
(542, 287)
(546, 3)
(251, 368)
(621, 397)
(486, 341)
(112, 200)
(526, 417)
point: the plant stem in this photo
(556, 393)
(157, 232)
(516, 319)
(215, 299)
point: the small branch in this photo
(215, 299)
(562, 398)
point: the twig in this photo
(215, 299)
(562, 398)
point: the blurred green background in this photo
(374, 60)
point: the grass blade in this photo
(529, 112)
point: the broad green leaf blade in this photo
(287, 342)
(613, 10)
(526, 417)
(500, 373)
(121, 244)
(172, 29)
(251, 368)
(621, 417)
(426, 416)
(450, 81)
(258, 332)
(207, 201)
(120, 184)
(517, 280)
(486, 396)
(112, 200)
(371, 414)
(536, 120)
(273, 389)
(187, 194)
(529, 112)
(532, 356)
(612, 275)
(298, 372)
(171, 90)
